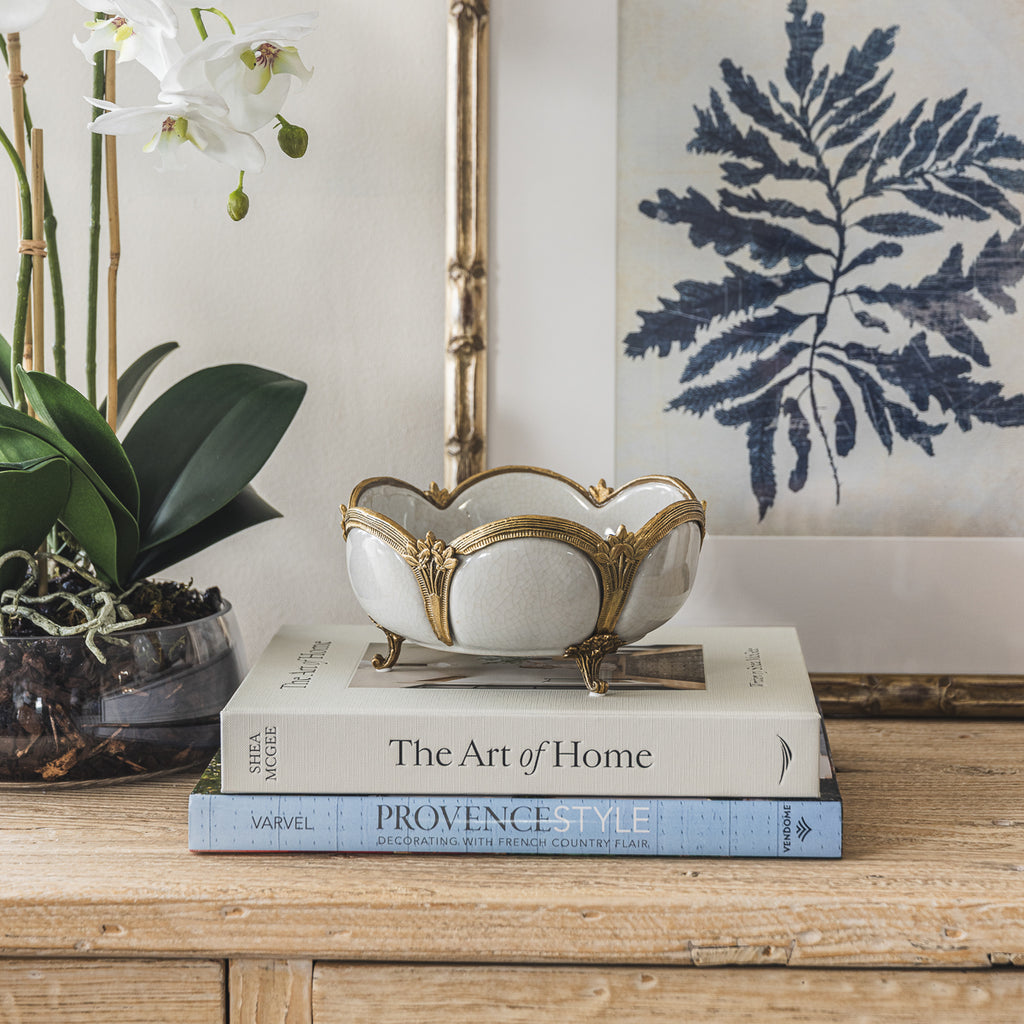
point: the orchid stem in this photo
(95, 208)
(24, 275)
(17, 82)
(56, 277)
(197, 17)
(38, 255)
(114, 226)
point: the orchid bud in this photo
(293, 140)
(238, 204)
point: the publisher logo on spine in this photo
(801, 828)
(787, 757)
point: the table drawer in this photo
(112, 991)
(449, 994)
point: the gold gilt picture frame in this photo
(465, 409)
(953, 574)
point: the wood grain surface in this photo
(401, 994)
(270, 991)
(932, 875)
(111, 992)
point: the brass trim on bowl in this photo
(434, 561)
(598, 495)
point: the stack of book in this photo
(708, 743)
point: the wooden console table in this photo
(105, 915)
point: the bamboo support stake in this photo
(16, 76)
(39, 299)
(38, 249)
(114, 218)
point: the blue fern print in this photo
(882, 180)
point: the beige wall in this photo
(336, 276)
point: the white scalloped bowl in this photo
(522, 562)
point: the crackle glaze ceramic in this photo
(522, 562)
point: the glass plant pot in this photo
(154, 707)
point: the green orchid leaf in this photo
(33, 495)
(108, 534)
(107, 531)
(18, 445)
(11, 419)
(244, 510)
(131, 382)
(76, 419)
(202, 441)
(5, 371)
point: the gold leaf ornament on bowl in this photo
(522, 562)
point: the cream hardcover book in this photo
(708, 712)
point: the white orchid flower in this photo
(141, 30)
(16, 15)
(195, 118)
(252, 69)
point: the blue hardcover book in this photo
(617, 826)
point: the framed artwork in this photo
(921, 571)
(820, 260)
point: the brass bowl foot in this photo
(394, 649)
(588, 655)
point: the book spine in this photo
(530, 825)
(728, 756)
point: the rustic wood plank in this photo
(111, 991)
(442, 994)
(933, 875)
(920, 696)
(270, 991)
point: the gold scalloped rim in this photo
(598, 495)
(616, 558)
